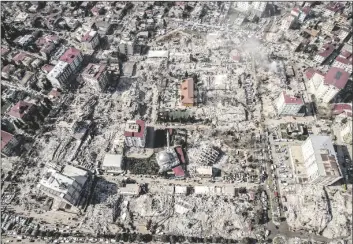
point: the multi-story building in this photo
(73, 57)
(344, 61)
(65, 186)
(96, 75)
(320, 160)
(187, 92)
(243, 6)
(126, 47)
(8, 143)
(346, 131)
(22, 111)
(68, 63)
(288, 22)
(327, 27)
(343, 33)
(259, 8)
(59, 75)
(324, 53)
(90, 40)
(289, 105)
(326, 88)
(135, 133)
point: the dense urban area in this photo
(176, 122)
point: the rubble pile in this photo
(320, 210)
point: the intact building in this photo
(187, 92)
(22, 111)
(96, 75)
(289, 105)
(126, 47)
(344, 61)
(68, 64)
(135, 133)
(73, 57)
(346, 132)
(60, 74)
(65, 186)
(320, 160)
(90, 40)
(113, 163)
(327, 87)
(324, 53)
(8, 143)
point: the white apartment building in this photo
(346, 132)
(343, 33)
(135, 133)
(244, 6)
(65, 186)
(59, 74)
(325, 88)
(126, 47)
(96, 76)
(344, 61)
(259, 7)
(90, 39)
(73, 57)
(289, 105)
(320, 160)
(288, 22)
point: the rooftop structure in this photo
(320, 160)
(135, 133)
(21, 110)
(66, 186)
(96, 75)
(113, 163)
(289, 105)
(336, 77)
(167, 159)
(342, 108)
(187, 92)
(71, 55)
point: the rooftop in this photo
(340, 108)
(88, 36)
(5, 138)
(326, 50)
(20, 109)
(94, 70)
(112, 160)
(292, 99)
(140, 130)
(70, 55)
(336, 77)
(187, 91)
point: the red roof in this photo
(8, 69)
(292, 99)
(70, 55)
(54, 92)
(4, 51)
(344, 60)
(306, 10)
(141, 131)
(47, 68)
(19, 57)
(20, 109)
(336, 77)
(309, 73)
(340, 108)
(5, 138)
(178, 171)
(345, 54)
(326, 50)
(180, 153)
(87, 37)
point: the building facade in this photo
(90, 40)
(96, 75)
(346, 132)
(64, 186)
(59, 75)
(8, 143)
(325, 88)
(289, 105)
(320, 160)
(126, 47)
